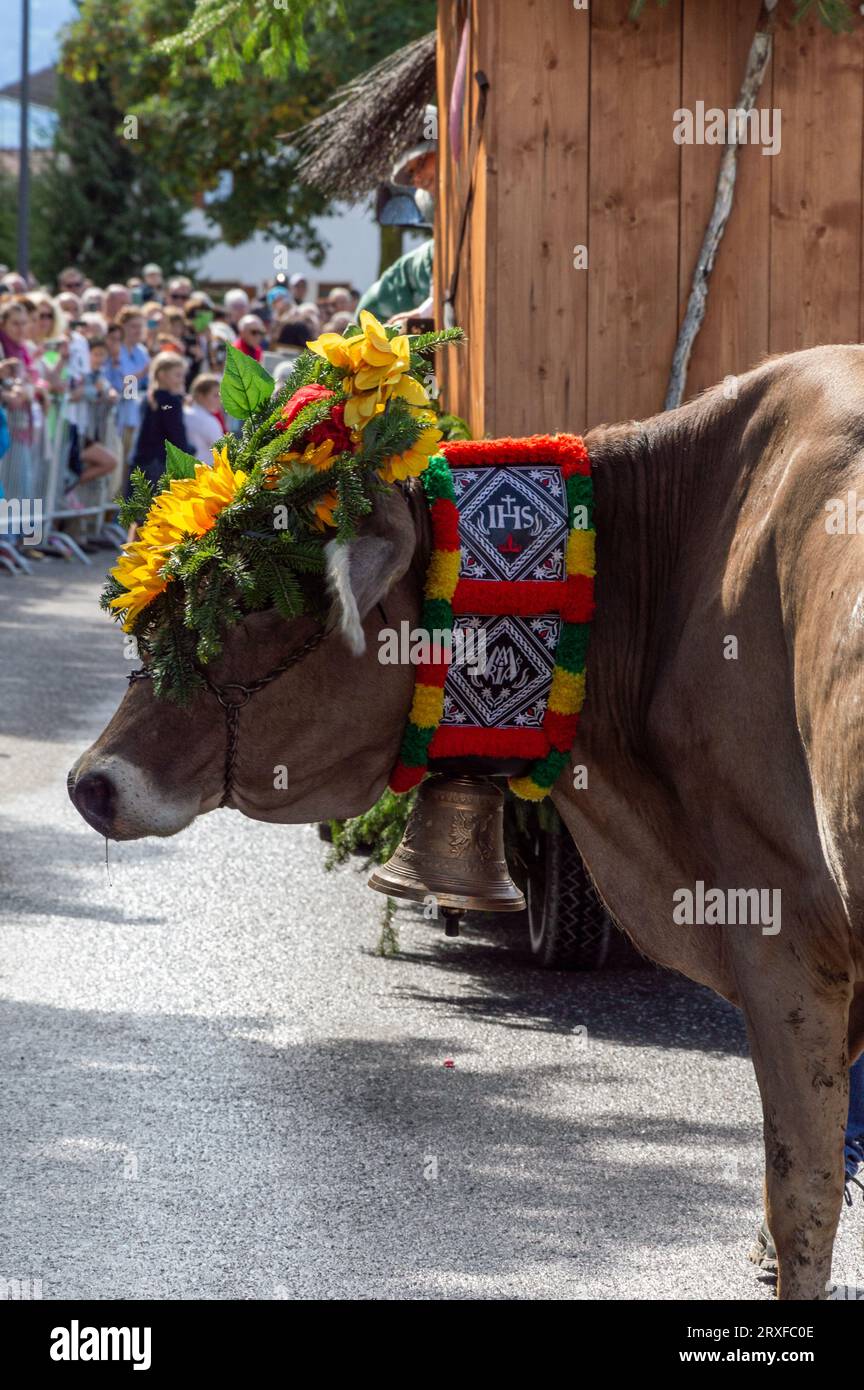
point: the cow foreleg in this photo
(799, 1045)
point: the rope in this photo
(232, 704)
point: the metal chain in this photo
(232, 704)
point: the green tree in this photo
(214, 88)
(99, 205)
(8, 217)
(42, 260)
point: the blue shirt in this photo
(131, 361)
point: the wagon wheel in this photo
(568, 926)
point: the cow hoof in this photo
(764, 1253)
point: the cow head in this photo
(315, 744)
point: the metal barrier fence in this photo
(39, 508)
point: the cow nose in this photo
(94, 796)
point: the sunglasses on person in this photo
(179, 294)
(46, 314)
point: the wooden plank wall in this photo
(578, 150)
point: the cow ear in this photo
(361, 571)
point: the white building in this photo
(351, 236)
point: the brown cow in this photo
(723, 736)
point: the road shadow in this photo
(40, 874)
(173, 1156)
(638, 1004)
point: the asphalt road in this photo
(213, 1087)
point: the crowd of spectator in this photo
(151, 351)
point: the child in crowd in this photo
(98, 391)
(204, 420)
(162, 417)
(88, 459)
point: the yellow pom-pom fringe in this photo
(427, 707)
(443, 573)
(580, 553)
(527, 789)
(567, 692)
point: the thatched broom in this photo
(351, 148)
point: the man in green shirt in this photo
(405, 288)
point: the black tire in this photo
(568, 926)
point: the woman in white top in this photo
(203, 418)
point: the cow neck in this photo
(650, 479)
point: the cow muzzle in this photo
(121, 801)
(94, 797)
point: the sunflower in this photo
(187, 507)
(415, 459)
(325, 511)
(315, 456)
(139, 571)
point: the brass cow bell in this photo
(453, 850)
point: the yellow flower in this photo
(333, 348)
(410, 390)
(416, 458)
(187, 507)
(376, 368)
(324, 511)
(138, 571)
(317, 456)
(360, 408)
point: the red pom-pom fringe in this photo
(566, 450)
(403, 778)
(445, 522)
(560, 729)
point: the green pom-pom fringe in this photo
(546, 771)
(438, 480)
(415, 745)
(580, 493)
(572, 647)
(437, 615)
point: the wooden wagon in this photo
(573, 221)
(577, 150)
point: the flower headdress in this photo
(214, 544)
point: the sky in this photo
(46, 19)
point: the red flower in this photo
(333, 428)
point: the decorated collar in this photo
(513, 558)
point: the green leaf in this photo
(245, 384)
(179, 464)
